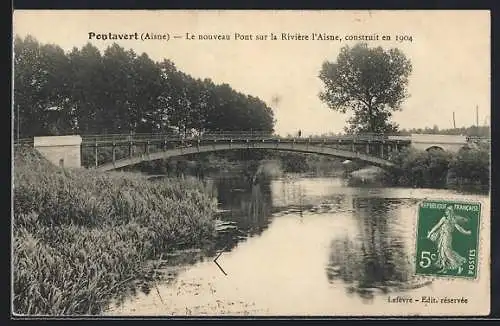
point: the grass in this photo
(82, 238)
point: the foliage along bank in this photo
(468, 169)
(81, 238)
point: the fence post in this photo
(96, 155)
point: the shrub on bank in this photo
(471, 167)
(440, 169)
(81, 237)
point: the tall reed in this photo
(83, 237)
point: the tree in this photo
(84, 91)
(88, 88)
(145, 93)
(41, 88)
(28, 83)
(120, 108)
(369, 81)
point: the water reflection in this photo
(350, 246)
(370, 258)
(246, 207)
(374, 257)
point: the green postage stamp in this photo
(447, 238)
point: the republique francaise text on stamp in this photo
(447, 238)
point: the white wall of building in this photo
(62, 151)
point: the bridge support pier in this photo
(367, 148)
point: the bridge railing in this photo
(227, 135)
(222, 136)
(163, 137)
(177, 135)
(23, 142)
(478, 139)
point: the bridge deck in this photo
(117, 140)
(213, 137)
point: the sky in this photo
(449, 51)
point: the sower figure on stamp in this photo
(442, 235)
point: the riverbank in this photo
(467, 170)
(83, 238)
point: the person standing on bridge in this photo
(300, 133)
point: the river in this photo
(311, 246)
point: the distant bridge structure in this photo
(116, 151)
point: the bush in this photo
(471, 167)
(82, 236)
(438, 169)
(421, 168)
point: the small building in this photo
(63, 151)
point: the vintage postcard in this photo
(251, 163)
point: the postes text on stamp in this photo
(447, 238)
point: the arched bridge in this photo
(108, 152)
(370, 148)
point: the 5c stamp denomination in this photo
(447, 238)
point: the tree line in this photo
(478, 131)
(85, 91)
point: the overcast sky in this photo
(450, 53)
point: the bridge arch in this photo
(434, 148)
(290, 147)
